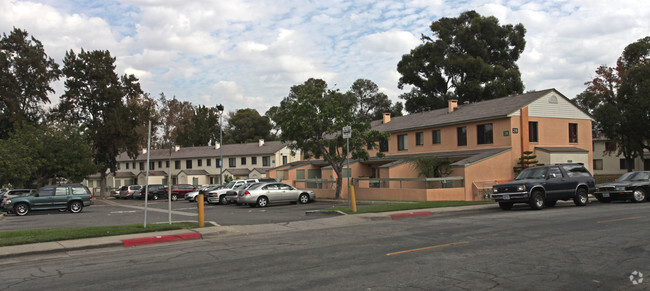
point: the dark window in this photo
(159, 164)
(573, 132)
(461, 135)
(253, 160)
(217, 163)
(133, 165)
(199, 162)
(610, 146)
(532, 131)
(188, 164)
(127, 166)
(208, 162)
(118, 166)
(436, 139)
(623, 164)
(598, 164)
(167, 164)
(383, 146)
(266, 161)
(484, 133)
(243, 161)
(646, 164)
(284, 160)
(177, 165)
(141, 166)
(152, 166)
(402, 142)
(419, 138)
(232, 162)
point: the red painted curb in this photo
(160, 239)
(410, 214)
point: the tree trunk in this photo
(629, 163)
(339, 185)
(102, 184)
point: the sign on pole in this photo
(347, 132)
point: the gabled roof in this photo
(238, 171)
(228, 150)
(153, 173)
(195, 172)
(484, 110)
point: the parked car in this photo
(127, 192)
(261, 194)
(63, 197)
(231, 195)
(219, 196)
(544, 185)
(12, 193)
(180, 190)
(191, 197)
(115, 193)
(155, 191)
(633, 186)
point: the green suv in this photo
(72, 198)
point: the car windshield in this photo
(230, 185)
(532, 173)
(634, 176)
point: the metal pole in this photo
(347, 156)
(169, 185)
(146, 187)
(220, 147)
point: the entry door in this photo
(60, 198)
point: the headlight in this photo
(521, 188)
(495, 190)
(620, 188)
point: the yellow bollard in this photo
(199, 200)
(353, 200)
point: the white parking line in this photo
(150, 209)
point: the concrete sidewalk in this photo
(211, 232)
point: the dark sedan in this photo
(633, 186)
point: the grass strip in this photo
(407, 206)
(18, 237)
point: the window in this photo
(195, 181)
(484, 133)
(61, 191)
(76, 190)
(573, 132)
(159, 164)
(436, 136)
(118, 166)
(152, 166)
(623, 164)
(127, 166)
(199, 162)
(284, 160)
(300, 174)
(554, 172)
(90, 182)
(383, 146)
(188, 164)
(217, 163)
(610, 146)
(141, 166)
(46, 191)
(419, 138)
(461, 135)
(243, 161)
(167, 164)
(532, 131)
(232, 162)
(266, 161)
(133, 165)
(177, 165)
(253, 160)
(208, 162)
(402, 142)
(576, 171)
(598, 164)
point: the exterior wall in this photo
(612, 162)
(554, 132)
(485, 173)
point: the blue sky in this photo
(247, 54)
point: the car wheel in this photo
(304, 198)
(537, 200)
(506, 205)
(62, 210)
(155, 196)
(21, 209)
(638, 195)
(174, 197)
(551, 203)
(581, 198)
(223, 200)
(75, 207)
(262, 201)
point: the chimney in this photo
(386, 118)
(177, 148)
(453, 104)
(144, 151)
(261, 142)
(217, 145)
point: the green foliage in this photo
(172, 113)
(312, 117)
(247, 125)
(370, 103)
(470, 58)
(200, 128)
(227, 179)
(25, 76)
(431, 166)
(408, 206)
(526, 160)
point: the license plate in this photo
(605, 195)
(506, 197)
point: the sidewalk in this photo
(131, 240)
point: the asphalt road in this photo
(596, 247)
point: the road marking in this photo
(621, 219)
(118, 212)
(428, 248)
(151, 209)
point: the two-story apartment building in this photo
(607, 161)
(483, 140)
(198, 165)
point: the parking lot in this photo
(121, 212)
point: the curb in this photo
(410, 214)
(160, 239)
(325, 213)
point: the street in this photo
(565, 247)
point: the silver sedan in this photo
(262, 194)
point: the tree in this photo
(470, 58)
(372, 104)
(199, 129)
(431, 166)
(527, 160)
(172, 113)
(247, 125)
(619, 99)
(25, 76)
(311, 119)
(103, 105)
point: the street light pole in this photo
(220, 109)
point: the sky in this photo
(248, 53)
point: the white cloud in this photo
(390, 42)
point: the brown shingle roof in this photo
(229, 150)
(238, 171)
(562, 149)
(484, 110)
(195, 172)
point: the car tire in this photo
(638, 195)
(581, 198)
(506, 205)
(537, 200)
(551, 203)
(75, 207)
(262, 201)
(223, 200)
(21, 209)
(303, 198)
(602, 199)
(174, 197)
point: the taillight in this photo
(247, 193)
(91, 197)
